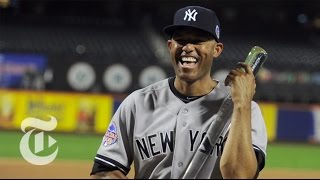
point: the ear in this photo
(218, 48)
(169, 44)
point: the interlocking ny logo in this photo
(25, 150)
(191, 15)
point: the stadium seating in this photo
(103, 42)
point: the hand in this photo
(243, 85)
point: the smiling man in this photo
(192, 52)
(160, 127)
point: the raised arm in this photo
(238, 159)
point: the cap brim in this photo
(169, 30)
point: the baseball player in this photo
(158, 128)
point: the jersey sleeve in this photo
(115, 151)
(259, 135)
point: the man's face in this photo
(192, 52)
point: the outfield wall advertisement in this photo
(74, 112)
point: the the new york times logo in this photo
(35, 155)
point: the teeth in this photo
(188, 59)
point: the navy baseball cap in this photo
(197, 17)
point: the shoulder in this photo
(155, 89)
(147, 97)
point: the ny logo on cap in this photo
(191, 15)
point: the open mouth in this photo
(188, 61)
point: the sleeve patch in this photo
(111, 135)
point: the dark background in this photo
(130, 32)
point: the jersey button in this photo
(180, 164)
(185, 111)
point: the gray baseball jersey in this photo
(160, 133)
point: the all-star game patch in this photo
(111, 135)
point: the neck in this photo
(195, 88)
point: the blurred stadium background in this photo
(77, 60)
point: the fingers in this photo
(243, 66)
(241, 69)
